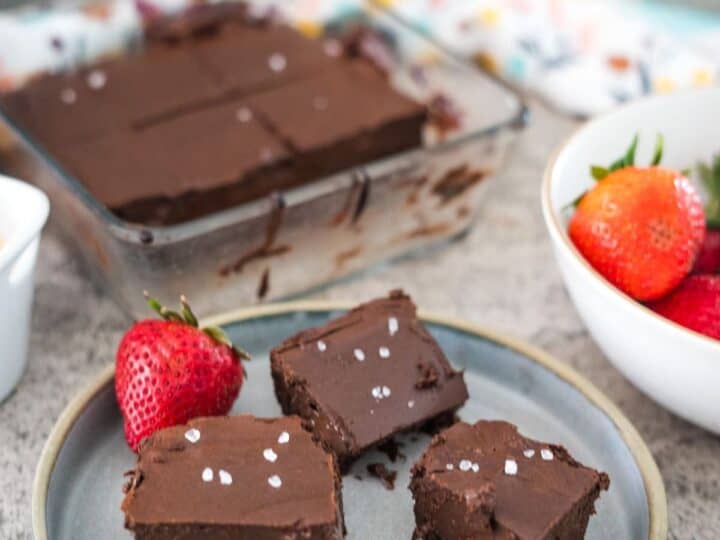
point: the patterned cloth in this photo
(584, 56)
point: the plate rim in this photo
(652, 480)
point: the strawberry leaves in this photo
(628, 159)
(187, 316)
(710, 176)
(599, 172)
(657, 155)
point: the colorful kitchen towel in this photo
(583, 56)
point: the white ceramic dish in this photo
(678, 368)
(23, 212)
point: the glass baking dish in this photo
(314, 234)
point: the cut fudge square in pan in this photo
(365, 376)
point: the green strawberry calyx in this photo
(186, 316)
(710, 176)
(628, 158)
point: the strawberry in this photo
(640, 227)
(708, 261)
(695, 304)
(169, 371)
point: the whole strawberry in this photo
(695, 304)
(169, 371)
(640, 227)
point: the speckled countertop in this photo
(502, 275)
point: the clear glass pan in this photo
(316, 233)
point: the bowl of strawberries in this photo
(632, 206)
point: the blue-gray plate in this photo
(78, 483)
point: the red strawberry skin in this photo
(641, 228)
(695, 304)
(168, 372)
(708, 261)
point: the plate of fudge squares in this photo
(365, 422)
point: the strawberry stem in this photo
(187, 313)
(710, 176)
(628, 159)
(188, 317)
(598, 173)
(657, 155)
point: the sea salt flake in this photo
(384, 352)
(411, 404)
(266, 154)
(275, 481)
(475, 467)
(449, 466)
(277, 62)
(529, 453)
(284, 438)
(192, 435)
(546, 454)
(244, 115)
(270, 455)
(96, 79)
(322, 346)
(386, 391)
(465, 465)
(207, 474)
(225, 477)
(333, 48)
(359, 355)
(320, 103)
(511, 467)
(376, 392)
(393, 326)
(68, 96)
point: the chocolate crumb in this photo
(444, 115)
(385, 475)
(427, 376)
(456, 182)
(391, 448)
(364, 180)
(372, 44)
(146, 236)
(264, 286)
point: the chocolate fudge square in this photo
(486, 481)
(366, 376)
(341, 117)
(240, 478)
(110, 96)
(198, 163)
(248, 59)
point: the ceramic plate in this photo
(77, 490)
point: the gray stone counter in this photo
(501, 276)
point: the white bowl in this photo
(678, 368)
(23, 212)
